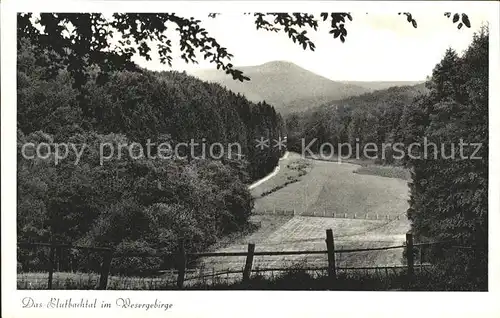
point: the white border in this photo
(245, 303)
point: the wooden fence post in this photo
(52, 256)
(332, 272)
(248, 264)
(421, 256)
(106, 265)
(181, 264)
(409, 257)
(57, 259)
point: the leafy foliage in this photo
(456, 18)
(448, 196)
(84, 39)
(126, 203)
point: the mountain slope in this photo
(378, 85)
(372, 117)
(284, 85)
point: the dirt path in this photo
(282, 161)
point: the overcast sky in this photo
(377, 47)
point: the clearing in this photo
(362, 210)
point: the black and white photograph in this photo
(247, 150)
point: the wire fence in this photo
(329, 214)
(90, 267)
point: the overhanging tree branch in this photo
(79, 40)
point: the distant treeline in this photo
(369, 118)
(449, 197)
(134, 204)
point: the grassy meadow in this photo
(362, 210)
(341, 200)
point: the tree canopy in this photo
(83, 39)
(134, 204)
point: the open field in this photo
(368, 166)
(260, 227)
(385, 171)
(308, 233)
(333, 188)
(328, 189)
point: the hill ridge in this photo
(284, 85)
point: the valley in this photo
(370, 211)
(229, 187)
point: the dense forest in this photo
(449, 196)
(370, 117)
(133, 204)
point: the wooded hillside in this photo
(134, 204)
